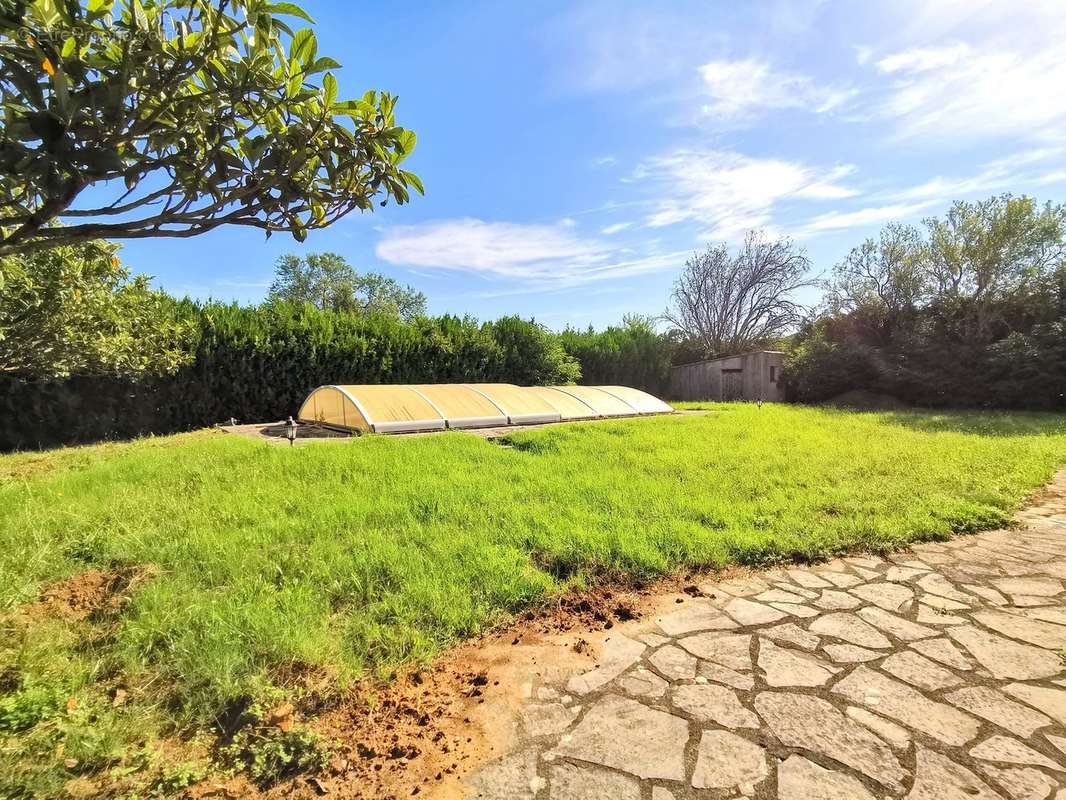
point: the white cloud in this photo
(610, 230)
(961, 92)
(731, 193)
(1021, 169)
(839, 220)
(538, 255)
(923, 59)
(741, 89)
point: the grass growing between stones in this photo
(243, 564)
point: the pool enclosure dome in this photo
(401, 408)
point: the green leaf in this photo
(304, 46)
(289, 9)
(406, 140)
(322, 64)
(414, 180)
(140, 20)
(329, 89)
(100, 7)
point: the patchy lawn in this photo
(178, 584)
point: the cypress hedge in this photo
(258, 363)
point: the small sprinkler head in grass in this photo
(759, 402)
(290, 431)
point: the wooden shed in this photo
(751, 376)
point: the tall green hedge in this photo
(258, 363)
(632, 354)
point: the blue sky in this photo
(574, 154)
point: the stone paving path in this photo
(933, 674)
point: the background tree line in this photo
(968, 310)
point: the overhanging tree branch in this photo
(200, 116)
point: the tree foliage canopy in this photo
(327, 281)
(184, 115)
(968, 309)
(76, 310)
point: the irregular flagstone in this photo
(989, 594)
(997, 708)
(513, 776)
(808, 580)
(928, 615)
(626, 735)
(803, 612)
(730, 677)
(939, 603)
(892, 733)
(793, 634)
(1004, 658)
(1052, 614)
(569, 782)
(1029, 600)
(800, 779)
(643, 683)
(893, 699)
(937, 777)
(725, 760)
(898, 574)
(779, 596)
(849, 628)
(653, 639)
(657, 793)
(1034, 631)
(1010, 751)
(944, 651)
(1050, 701)
(813, 724)
(1037, 587)
(728, 649)
(788, 668)
(713, 704)
(864, 561)
(747, 612)
(541, 719)
(1021, 783)
(619, 654)
(941, 586)
(698, 614)
(842, 580)
(918, 671)
(889, 596)
(897, 626)
(850, 653)
(805, 593)
(869, 574)
(833, 600)
(674, 663)
(742, 587)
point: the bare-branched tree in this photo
(730, 303)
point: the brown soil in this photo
(422, 733)
(88, 594)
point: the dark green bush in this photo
(632, 354)
(259, 363)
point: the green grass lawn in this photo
(360, 556)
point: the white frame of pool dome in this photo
(410, 408)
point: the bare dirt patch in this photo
(88, 594)
(421, 734)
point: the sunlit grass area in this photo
(361, 555)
